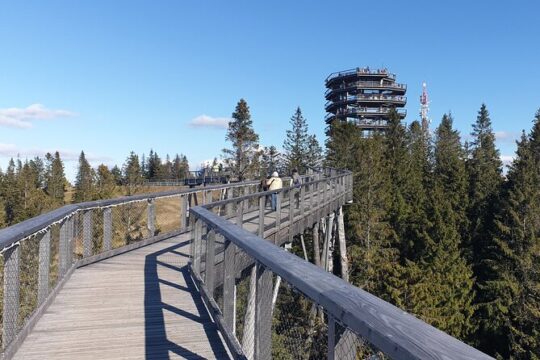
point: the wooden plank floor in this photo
(139, 305)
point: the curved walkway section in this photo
(142, 304)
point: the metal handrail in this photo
(360, 71)
(367, 85)
(371, 97)
(19, 231)
(388, 328)
(367, 111)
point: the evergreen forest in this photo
(438, 227)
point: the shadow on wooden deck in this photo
(157, 345)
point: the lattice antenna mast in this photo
(424, 107)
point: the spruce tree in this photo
(314, 152)
(416, 185)
(132, 175)
(484, 168)
(510, 311)
(396, 155)
(56, 179)
(342, 139)
(117, 175)
(84, 182)
(242, 158)
(13, 206)
(448, 279)
(105, 183)
(449, 171)
(296, 144)
(372, 257)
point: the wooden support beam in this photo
(342, 245)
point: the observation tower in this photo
(364, 97)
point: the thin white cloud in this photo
(209, 121)
(507, 136)
(23, 117)
(507, 159)
(12, 151)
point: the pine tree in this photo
(270, 160)
(132, 175)
(84, 182)
(105, 183)
(13, 207)
(117, 175)
(242, 158)
(296, 144)
(33, 199)
(56, 179)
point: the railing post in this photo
(228, 284)
(88, 228)
(240, 213)
(261, 215)
(279, 197)
(63, 248)
(210, 271)
(44, 263)
(263, 314)
(72, 241)
(331, 337)
(301, 200)
(107, 229)
(11, 294)
(184, 215)
(151, 218)
(248, 336)
(291, 206)
(197, 245)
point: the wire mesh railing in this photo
(269, 303)
(39, 254)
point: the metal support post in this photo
(88, 229)
(228, 284)
(11, 294)
(209, 272)
(107, 229)
(44, 264)
(263, 314)
(261, 216)
(151, 218)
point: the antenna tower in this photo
(424, 107)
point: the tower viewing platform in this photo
(202, 273)
(364, 97)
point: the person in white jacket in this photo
(274, 183)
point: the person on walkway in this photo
(274, 183)
(296, 183)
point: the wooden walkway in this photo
(139, 305)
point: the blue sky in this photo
(108, 77)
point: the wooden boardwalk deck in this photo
(139, 305)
